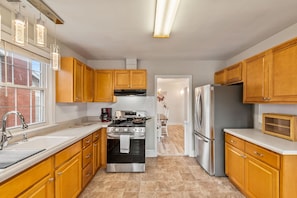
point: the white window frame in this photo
(49, 85)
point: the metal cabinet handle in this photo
(60, 173)
(243, 156)
(233, 142)
(51, 179)
(88, 156)
(88, 141)
(259, 154)
(88, 174)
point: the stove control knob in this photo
(125, 129)
(116, 129)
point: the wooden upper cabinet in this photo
(103, 84)
(130, 79)
(69, 81)
(88, 90)
(234, 74)
(220, 77)
(270, 77)
(138, 79)
(283, 73)
(255, 79)
(229, 75)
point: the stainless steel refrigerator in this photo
(217, 107)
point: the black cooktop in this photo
(126, 123)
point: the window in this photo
(22, 86)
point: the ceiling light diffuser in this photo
(165, 15)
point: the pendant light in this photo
(55, 55)
(19, 28)
(40, 32)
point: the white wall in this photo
(174, 99)
(285, 35)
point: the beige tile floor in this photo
(165, 176)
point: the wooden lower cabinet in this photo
(96, 151)
(261, 180)
(235, 165)
(68, 171)
(103, 144)
(87, 160)
(62, 175)
(259, 172)
(36, 181)
(43, 188)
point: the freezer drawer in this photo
(204, 153)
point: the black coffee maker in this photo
(106, 114)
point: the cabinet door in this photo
(68, 178)
(122, 79)
(25, 180)
(220, 77)
(283, 73)
(78, 81)
(43, 188)
(234, 162)
(96, 156)
(103, 144)
(255, 79)
(138, 79)
(234, 74)
(88, 84)
(103, 81)
(261, 180)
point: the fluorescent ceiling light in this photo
(165, 15)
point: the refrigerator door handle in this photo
(201, 138)
(198, 110)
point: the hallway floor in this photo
(173, 144)
(165, 176)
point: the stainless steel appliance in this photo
(106, 114)
(129, 127)
(217, 107)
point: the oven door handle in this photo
(112, 136)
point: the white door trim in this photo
(188, 137)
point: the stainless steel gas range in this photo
(126, 142)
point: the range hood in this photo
(130, 92)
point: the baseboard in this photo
(150, 153)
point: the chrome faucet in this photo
(6, 135)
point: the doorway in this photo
(173, 107)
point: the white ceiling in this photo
(204, 29)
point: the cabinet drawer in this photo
(264, 155)
(67, 153)
(87, 141)
(96, 135)
(87, 174)
(234, 141)
(87, 155)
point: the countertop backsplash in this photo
(143, 103)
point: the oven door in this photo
(136, 154)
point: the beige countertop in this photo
(74, 133)
(278, 145)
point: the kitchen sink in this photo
(40, 142)
(13, 156)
